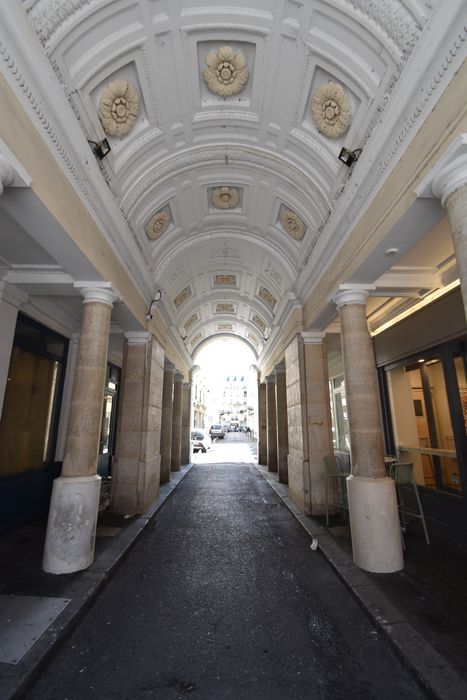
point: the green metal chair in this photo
(402, 473)
(336, 474)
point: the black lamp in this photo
(100, 148)
(348, 157)
(157, 297)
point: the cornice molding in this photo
(37, 97)
(395, 134)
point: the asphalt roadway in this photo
(222, 597)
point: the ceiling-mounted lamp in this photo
(348, 157)
(157, 297)
(101, 149)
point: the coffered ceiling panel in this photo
(225, 122)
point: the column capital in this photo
(279, 368)
(102, 292)
(312, 337)
(169, 366)
(449, 173)
(351, 294)
(137, 337)
(270, 379)
(7, 174)
(178, 377)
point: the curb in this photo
(432, 671)
(82, 589)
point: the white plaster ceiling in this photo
(213, 265)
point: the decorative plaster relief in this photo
(182, 296)
(197, 337)
(267, 297)
(225, 327)
(331, 110)
(225, 309)
(157, 225)
(253, 339)
(292, 224)
(226, 72)
(191, 322)
(225, 197)
(258, 321)
(118, 108)
(225, 280)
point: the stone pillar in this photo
(71, 528)
(186, 423)
(373, 511)
(11, 299)
(281, 423)
(448, 181)
(166, 421)
(271, 422)
(298, 465)
(136, 468)
(318, 413)
(262, 426)
(176, 452)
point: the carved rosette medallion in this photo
(292, 224)
(331, 110)
(225, 197)
(226, 72)
(157, 225)
(118, 108)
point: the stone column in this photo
(186, 422)
(271, 422)
(71, 527)
(318, 413)
(298, 465)
(373, 512)
(176, 452)
(262, 426)
(136, 468)
(281, 423)
(11, 299)
(166, 421)
(450, 185)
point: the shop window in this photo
(428, 396)
(29, 415)
(340, 422)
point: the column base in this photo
(71, 527)
(374, 523)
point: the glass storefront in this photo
(340, 423)
(428, 401)
(28, 423)
(109, 414)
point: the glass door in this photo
(108, 424)
(428, 397)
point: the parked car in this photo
(217, 431)
(199, 441)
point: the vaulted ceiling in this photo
(225, 123)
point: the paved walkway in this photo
(222, 597)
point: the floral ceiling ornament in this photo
(157, 225)
(226, 72)
(293, 224)
(331, 110)
(225, 197)
(118, 108)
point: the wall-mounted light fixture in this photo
(348, 157)
(101, 149)
(184, 337)
(157, 297)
